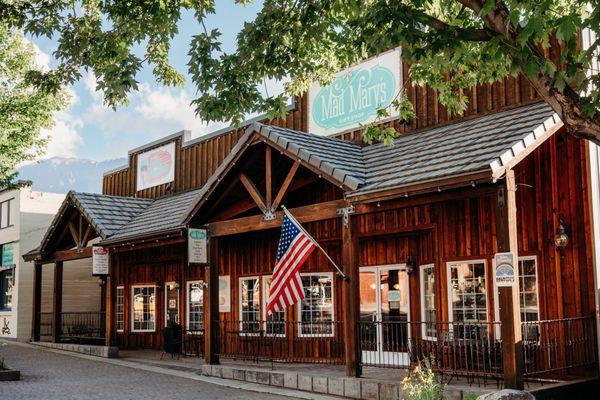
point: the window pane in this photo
(428, 299)
(195, 306)
(250, 305)
(4, 217)
(6, 289)
(468, 291)
(316, 310)
(275, 323)
(144, 311)
(120, 300)
(528, 289)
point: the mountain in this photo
(60, 175)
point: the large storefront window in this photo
(468, 298)
(120, 309)
(274, 324)
(428, 301)
(144, 308)
(6, 288)
(195, 320)
(249, 305)
(316, 310)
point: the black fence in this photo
(87, 326)
(282, 341)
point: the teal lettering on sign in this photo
(197, 234)
(8, 255)
(354, 98)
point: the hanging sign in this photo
(355, 95)
(156, 167)
(8, 256)
(197, 246)
(224, 294)
(505, 269)
(99, 260)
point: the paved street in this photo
(49, 376)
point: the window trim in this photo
(299, 312)
(240, 313)
(449, 265)
(117, 309)
(166, 306)
(133, 287)
(422, 269)
(188, 285)
(9, 208)
(263, 288)
(537, 291)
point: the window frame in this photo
(188, 292)
(122, 288)
(133, 329)
(299, 307)
(240, 310)
(11, 271)
(8, 213)
(424, 323)
(166, 300)
(263, 288)
(449, 265)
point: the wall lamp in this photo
(561, 239)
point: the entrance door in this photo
(384, 315)
(171, 303)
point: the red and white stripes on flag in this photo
(295, 245)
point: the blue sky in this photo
(88, 129)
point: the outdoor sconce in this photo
(173, 286)
(561, 239)
(410, 265)
(100, 281)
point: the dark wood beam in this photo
(313, 212)
(268, 178)
(57, 301)
(253, 191)
(62, 255)
(351, 293)
(284, 186)
(74, 233)
(37, 302)
(86, 235)
(211, 304)
(217, 203)
(235, 209)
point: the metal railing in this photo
(87, 325)
(285, 341)
(46, 324)
(560, 346)
(461, 348)
(192, 343)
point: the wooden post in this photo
(510, 316)
(211, 304)
(57, 301)
(350, 261)
(37, 302)
(108, 309)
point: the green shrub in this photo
(423, 384)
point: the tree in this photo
(24, 111)
(451, 45)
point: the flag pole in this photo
(289, 214)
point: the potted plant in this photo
(7, 374)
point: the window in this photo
(171, 303)
(316, 310)
(120, 314)
(249, 305)
(528, 295)
(6, 289)
(5, 211)
(274, 324)
(467, 298)
(144, 308)
(428, 302)
(195, 292)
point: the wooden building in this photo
(415, 227)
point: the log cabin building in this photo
(415, 227)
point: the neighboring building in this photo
(24, 218)
(416, 227)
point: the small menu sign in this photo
(197, 246)
(99, 260)
(505, 269)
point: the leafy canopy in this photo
(24, 110)
(452, 45)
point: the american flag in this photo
(295, 245)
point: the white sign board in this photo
(156, 167)
(99, 260)
(197, 246)
(505, 269)
(355, 95)
(224, 294)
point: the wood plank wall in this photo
(195, 163)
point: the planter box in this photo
(9, 375)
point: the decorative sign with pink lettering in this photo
(156, 167)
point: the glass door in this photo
(384, 315)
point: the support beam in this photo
(107, 298)
(284, 186)
(211, 304)
(506, 231)
(57, 301)
(74, 233)
(268, 178)
(351, 293)
(37, 302)
(253, 191)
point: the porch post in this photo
(350, 257)
(211, 304)
(57, 301)
(506, 231)
(37, 302)
(108, 314)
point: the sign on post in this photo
(505, 269)
(197, 246)
(355, 95)
(100, 260)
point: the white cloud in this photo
(64, 136)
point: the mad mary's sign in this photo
(156, 166)
(355, 95)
